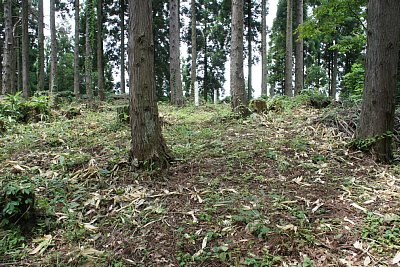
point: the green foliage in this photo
(316, 98)
(11, 242)
(123, 114)
(381, 230)
(353, 83)
(365, 144)
(14, 108)
(17, 201)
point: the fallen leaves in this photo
(44, 243)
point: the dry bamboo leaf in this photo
(287, 227)
(396, 258)
(355, 205)
(204, 243)
(43, 245)
(367, 261)
(18, 169)
(358, 245)
(91, 251)
(90, 227)
(195, 220)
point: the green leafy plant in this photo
(17, 202)
(15, 108)
(354, 83)
(365, 144)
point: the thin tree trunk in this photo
(383, 44)
(193, 74)
(289, 50)
(25, 50)
(100, 65)
(205, 78)
(88, 52)
(76, 52)
(175, 62)
(18, 61)
(122, 56)
(41, 47)
(334, 73)
(147, 142)
(8, 56)
(264, 61)
(299, 54)
(53, 64)
(249, 48)
(236, 68)
(15, 66)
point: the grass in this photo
(280, 189)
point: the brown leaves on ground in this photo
(280, 189)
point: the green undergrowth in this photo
(280, 188)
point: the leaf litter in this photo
(278, 189)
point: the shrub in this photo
(315, 98)
(17, 200)
(15, 108)
(353, 83)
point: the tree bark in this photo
(76, 52)
(175, 63)
(122, 56)
(18, 61)
(299, 53)
(100, 64)
(25, 50)
(8, 55)
(53, 64)
(289, 50)
(334, 73)
(383, 44)
(205, 78)
(236, 68)
(41, 47)
(147, 145)
(88, 52)
(249, 48)
(264, 61)
(193, 74)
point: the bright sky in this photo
(256, 75)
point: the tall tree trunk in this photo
(175, 61)
(41, 47)
(334, 73)
(193, 75)
(88, 52)
(383, 44)
(8, 54)
(264, 60)
(122, 56)
(53, 64)
(205, 78)
(147, 142)
(317, 83)
(76, 52)
(18, 60)
(25, 49)
(237, 87)
(289, 50)
(249, 48)
(299, 53)
(15, 66)
(100, 64)
(329, 63)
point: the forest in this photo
(196, 133)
